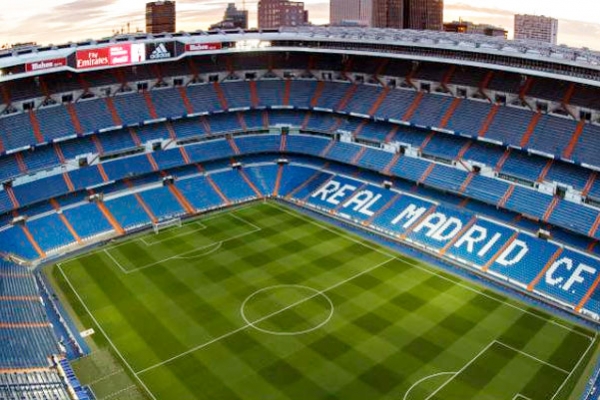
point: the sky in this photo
(61, 21)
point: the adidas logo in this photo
(160, 52)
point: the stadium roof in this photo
(561, 60)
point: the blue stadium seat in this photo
(270, 92)
(132, 108)
(50, 232)
(87, 220)
(17, 131)
(198, 191)
(93, 115)
(168, 102)
(431, 110)
(162, 203)
(203, 98)
(55, 122)
(509, 125)
(233, 186)
(302, 92)
(128, 212)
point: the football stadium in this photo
(300, 213)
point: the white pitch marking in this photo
(414, 385)
(104, 333)
(532, 357)
(115, 261)
(215, 248)
(152, 242)
(110, 396)
(180, 255)
(119, 371)
(519, 396)
(136, 237)
(293, 333)
(575, 367)
(317, 293)
(461, 370)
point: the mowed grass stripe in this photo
(392, 326)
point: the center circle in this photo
(287, 310)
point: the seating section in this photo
(132, 108)
(50, 232)
(128, 212)
(233, 186)
(522, 166)
(469, 117)
(162, 203)
(442, 147)
(200, 193)
(44, 384)
(93, 115)
(26, 337)
(168, 102)
(87, 220)
(203, 98)
(509, 125)
(55, 122)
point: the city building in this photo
(472, 28)
(232, 19)
(276, 13)
(424, 14)
(408, 14)
(388, 14)
(160, 17)
(536, 27)
(350, 12)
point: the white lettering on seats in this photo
(474, 235)
(448, 230)
(576, 277)
(326, 190)
(432, 222)
(366, 209)
(359, 200)
(412, 213)
(550, 279)
(553, 279)
(337, 196)
(505, 258)
(489, 244)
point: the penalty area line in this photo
(201, 227)
(180, 255)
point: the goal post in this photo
(165, 224)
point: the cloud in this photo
(570, 32)
(462, 7)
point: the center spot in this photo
(287, 309)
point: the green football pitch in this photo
(263, 302)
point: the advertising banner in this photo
(203, 46)
(160, 51)
(121, 54)
(45, 64)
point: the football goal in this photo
(166, 224)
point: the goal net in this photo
(165, 224)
